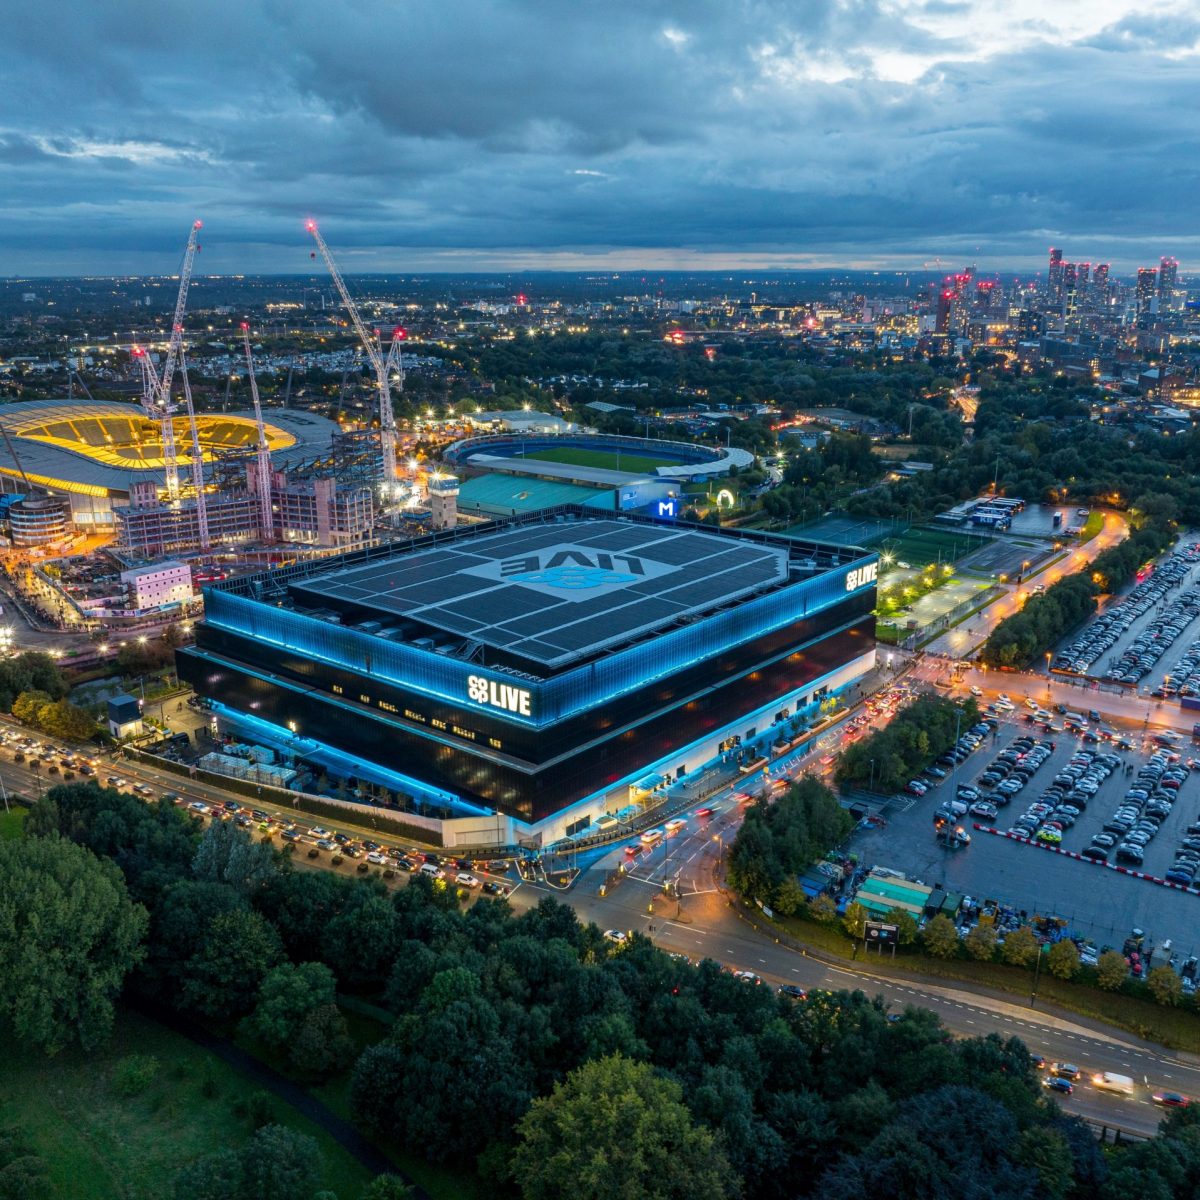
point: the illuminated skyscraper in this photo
(1056, 278)
(1168, 279)
(1146, 280)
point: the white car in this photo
(374, 857)
(976, 691)
(198, 806)
(615, 936)
(466, 879)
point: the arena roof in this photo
(553, 593)
(101, 447)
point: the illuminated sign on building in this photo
(861, 576)
(499, 695)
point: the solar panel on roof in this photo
(551, 592)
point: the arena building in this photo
(91, 453)
(532, 671)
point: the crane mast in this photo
(156, 398)
(264, 451)
(387, 418)
(197, 459)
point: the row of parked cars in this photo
(1107, 629)
(1066, 798)
(1005, 776)
(1184, 677)
(1140, 657)
(958, 753)
(342, 846)
(1146, 805)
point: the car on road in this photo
(1037, 1062)
(1170, 1100)
(976, 691)
(377, 859)
(198, 806)
(704, 812)
(616, 937)
(747, 977)
(1057, 1084)
(792, 991)
(1065, 1070)
(466, 879)
(492, 888)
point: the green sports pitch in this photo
(607, 460)
(919, 547)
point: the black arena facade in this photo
(520, 678)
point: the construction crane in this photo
(263, 464)
(156, 394)
(13, 451)
(387, 418)
(197, 458)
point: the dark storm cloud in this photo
(483, 133)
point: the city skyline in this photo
(752, 137)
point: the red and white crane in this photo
(156, 390)
(263, 465)
(381, 367)
(197, 459)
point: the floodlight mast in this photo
(387, 418)
(197, 459)
(266, 516)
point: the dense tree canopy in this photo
(69, 935)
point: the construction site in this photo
(158, 478)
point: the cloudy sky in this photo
(472, 135)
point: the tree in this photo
(905, 923)
(855, 920)
(1021, 947)
(822, 908)
(69, 934)
(288, 994)
(1046, 1150)
(981, 942)
(275, 1164)
(387, 1187)
(27, 707)
(615, 1128)
(941, 938)
(62, 719)
(322, 1044)
(789, 898)
(1165, 985)
(227, 854)
(223, 977)
(22, 1171)
(1063, 959)
(1111, 970)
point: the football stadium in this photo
(93, 451)
(534, 670)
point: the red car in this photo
(704, 812)
(1170, 1100)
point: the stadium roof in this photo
(100, 447)
(556, 592)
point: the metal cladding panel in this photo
(563, 695)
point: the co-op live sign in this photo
(504, 696)
(861, 576)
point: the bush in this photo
(134, 1074)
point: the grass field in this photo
(919, 547)
(1091, 526)
(607, 460)
(100, 1145)
(11, 823)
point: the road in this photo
(699, 922)
(964, 639)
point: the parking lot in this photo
(1140, 634)
(1097, 901)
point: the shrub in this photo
(134, 1074)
